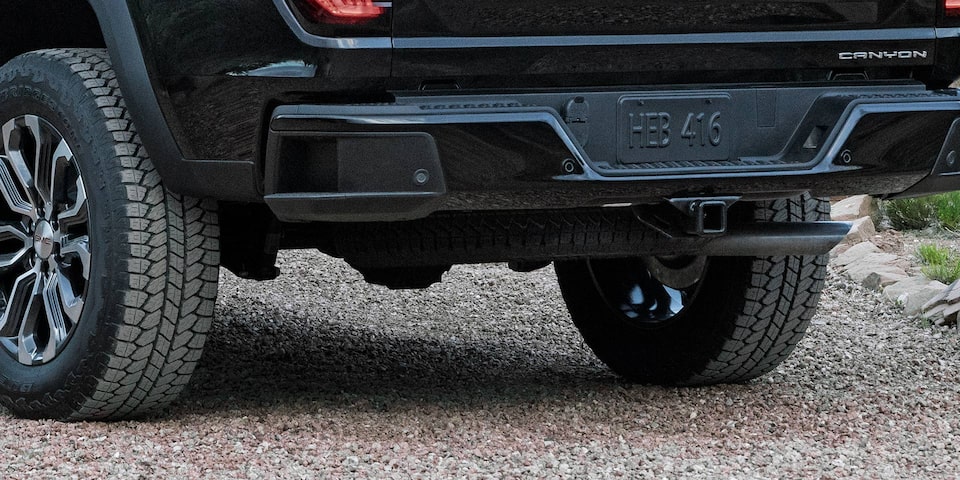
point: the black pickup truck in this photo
(668, 157)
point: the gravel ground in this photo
(485, 376)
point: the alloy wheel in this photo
(647, 291)
(44, 240)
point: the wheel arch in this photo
(123, 43)
(96, 24)
(113, 24)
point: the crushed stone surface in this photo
(319, 375)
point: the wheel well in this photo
(29, 25)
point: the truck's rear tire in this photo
(107, 280)
(740, 320)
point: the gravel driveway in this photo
(485, 376)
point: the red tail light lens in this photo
(952, 8)
(348, 11)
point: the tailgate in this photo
(617, 42)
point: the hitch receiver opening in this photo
(704, 216)
(708, 217)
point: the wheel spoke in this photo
(13, 234)
(11, 132)
(8, 260)
(59, 162)
(55, 320)
(8, 187)
(44, 160)
(77, 213)
(27, 347)
(20, 296)
(71, 302)
(32, 122)
(78, 247)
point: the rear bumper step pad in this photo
(421, 155)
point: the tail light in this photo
(343, 11)
(952, 8)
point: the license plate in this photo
(679, 128)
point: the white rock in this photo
(862, 231)
(859, 275)
(856, 253)
(852, 208)
(838, 250)
(944, 306)
(879, 263)
(949, 296)
(913, 302)
(912, 284)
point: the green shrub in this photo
(939, 263)
(933, 255)
(942, 273)
(941, 210)
(948, 210)
(910, 213)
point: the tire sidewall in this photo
(681, 344)
(747, 317)
(37, 85)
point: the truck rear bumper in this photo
(425, 154)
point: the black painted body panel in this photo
(496, 18)
(220, 65)
(212, 71)
(652, 41)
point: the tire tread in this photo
(172, 259)
(747, 317)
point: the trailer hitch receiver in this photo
(704, 216)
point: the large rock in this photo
(838, 250)
(894, 292)
(863, 230)
(913, 293)
(878, 263)
(914, 302)
(856, 253)
(852, 208)
(944, 307)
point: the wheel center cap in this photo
(43, 239)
